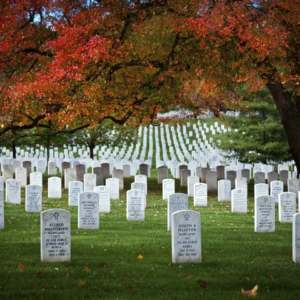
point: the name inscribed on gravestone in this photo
(200, 194)
(239, 202)
(104, 198)
(135, 208)
(264, 216)
(1, 210)
(55, 235)
(286, 207)
(168, 188)
(75, 188)
(177, 201)
(186, 237)
(88, 210)
(296, 238)
(33, 198)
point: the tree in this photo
(107, 134)
(255, 42)
(257, 134)
(77, 63)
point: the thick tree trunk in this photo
(91, 147)
(289, 111)
(14, 149)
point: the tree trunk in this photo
(91, 147)
(289, 111)
(14, 150)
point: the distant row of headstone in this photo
(89, 203)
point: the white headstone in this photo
(138, 186)
(104, 198)
(239, 203)
(54, 187)
(1, 210)
(36, 178)
(191, 181)
(75, 188)
(52, 168)
(286, 207)
(21, 175)
(33, 198)
(296, 238)
(293, 185)
(135, 207)
(176, 202)
(13, 191)
(143, 179)
(89, 182)
(261, 189)
(200, 194)
(241, 183)
(168, 188)
(113, 185)
(88, 210)
(264, 214)
(276, 189)
(55, 236)
(69, 175)
(186, 237)
(224, 190)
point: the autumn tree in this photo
(78, 63)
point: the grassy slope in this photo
(132, 260)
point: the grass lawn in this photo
(132, 260)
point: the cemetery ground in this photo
(132, 260)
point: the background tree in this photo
(106, 134)
(257, 134)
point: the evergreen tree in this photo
(256, 134)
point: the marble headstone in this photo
(296, 238)
(89, 182)
(264, 214)
(177, 201)
(88, 210)
(1, 210)
(224, 190)
(55, 236)
(239, 203)
(13, 191)
(104, 198)
(168, 188)
(276, 189)
(113, 185)
(200, 194)
(186, 237)
(135, 205)
(261, 189)
(286, 207)
(75, 188)
(33, 198)
(191, 181)
(54, 187)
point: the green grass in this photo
(132, 260)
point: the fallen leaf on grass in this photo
(140, 256)
(21, 267)
(80, 283)
(203, 284)
(129, 289)
(87, 269)
(251, 293)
